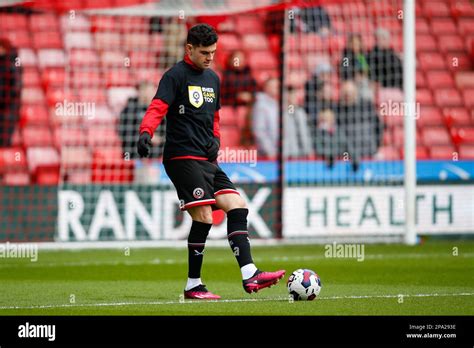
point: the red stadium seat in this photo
(103, 115)
(442, 26)
(118, 77)
(447, 97)
(442, 152)
(113, 59)
(117, 97)
(422, 153)
(13, 22)
(47, 175)
(468, 96)
(439, 79)
(43, 22)
(144, 59)
(20, 38)
(79, 39)
(75, 157)
(12, 159)
(91, 94)
(435, 136)
(37, 136)
(33, 114)
(457, 116)
(249, 24)
(255, 42)
(229, 42)
(466, 26)
(466, 152)
(356, 8)
(81, 57)
(458, 61)
(41, 156)
(436, 9)
(422, 26)
(30, 77)
(107, 40)
(80, 22)
(430, 116)
(102, 136)
(450, 43)
(425, 43)
(463, 135)
(16, 179)
(465, 80)
(87, 77)
(431, 61)
(103, 23)
(230, 136)
(59, 95)
(148, 74)
(262, 60)
(109, 166)
(228, 116)
(296, 79)
(129, 24)
(462, 8)
(32, 95)
(136, 41)
(424, 96)
(28, 57)
(51, 58)
(53, 77)
(420, 79)
(387, 153)
(47, 39)
(69, 136)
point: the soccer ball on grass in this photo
(304, 284)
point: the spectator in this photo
(385, 65)
(359, 123)
(130, 119)
(354, 66)
(311, 19)
(328, 138)
(238, 86)
(10, 92)
(318, 90)
(265, 118)
(297, 137)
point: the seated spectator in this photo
(354, 66)
(131, 117)
(10, 92)
(385, 65)
(297, 138)
(265, 114)
(359, 123)
(329, 141)
(318, 90)
(238, 86)
(311, 19)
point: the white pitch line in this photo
(118, 304)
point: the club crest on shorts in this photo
(181, 203)
(198, 193)
(195, 96)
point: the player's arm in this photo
(155, 113)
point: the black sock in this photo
(196, 243)
(238, 235)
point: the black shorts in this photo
(198, 182)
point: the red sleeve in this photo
(217, 132)
(153, 116)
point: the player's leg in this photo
(228, 199)
(195, 195)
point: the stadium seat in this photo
(43, 22)
(249, 24)
(468, 96)
(458, 61)
(30, 77)
(390, 95)
(87, 77)
(424, 96)
(148, 74)
(457, 116)
(103, 115)
(463, 135)
(113, 59)
(387, 153)
(117, 97)
(47, 39)
(118, 77)
(262, 60)
(130, 24)
(354, 9)
(33, 114)
(51, 58)
(442, 152)
(107, 40)
(296, 79)
(53, 77)
(103, 23)
(447, 97)
(16, 179)
(422, 153)
(420, 79)
(20, 38)
(108, 166)
(439, 79)
(242, 116)
(47, 175)
(77, 23)
(75, 157)
(465, 80)
(136, 41)
(102, 136)
(435, 136)
(466, 152)
(28, 57)
(59, 95)
(32, 95)
(81, 57)
(422, 26)
(41, 156)
(13, 21)
(79, 39)
(229, 42)
(425, 43)
(255, 42)
(69, 136)
(230, 136)
(450, 43)
(96, 95)
(436, 9)
(12, 159)
(443, 26)
(37, 136)
(466, 26)
(228, 116)
(430, 116)
(144, 59)
(431, 61)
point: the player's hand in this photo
(213, 149)
(144, 144)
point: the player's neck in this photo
(188, 61)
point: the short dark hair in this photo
(202, 35)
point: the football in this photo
(304, 285)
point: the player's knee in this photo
(201, 214)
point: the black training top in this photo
(192, 96)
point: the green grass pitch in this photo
(392, 280)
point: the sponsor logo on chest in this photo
(198, 95)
